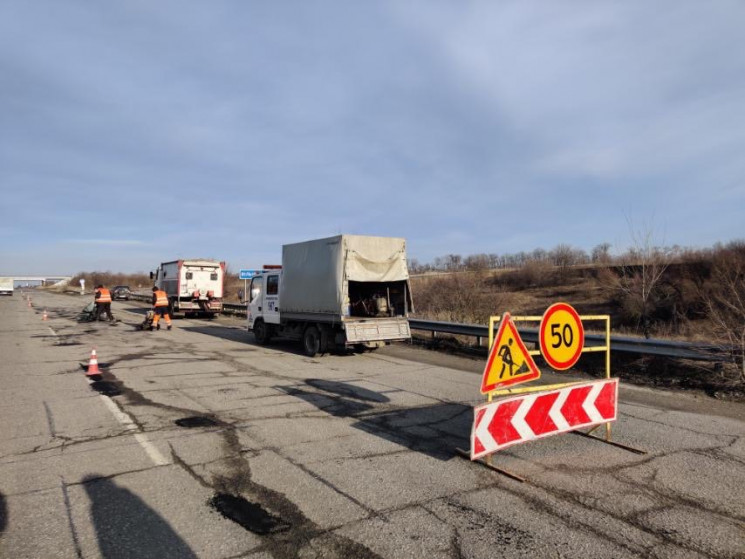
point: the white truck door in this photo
(255, 307)
(271, 312)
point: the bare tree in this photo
(642, 273)
(601, 253)
(726, 300)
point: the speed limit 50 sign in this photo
(561, 336)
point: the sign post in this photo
(246, 275)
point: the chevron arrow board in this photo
(510, 421)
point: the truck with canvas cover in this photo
(347, 291)
(6, 286)
(194, 287)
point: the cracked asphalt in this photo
(340, 456)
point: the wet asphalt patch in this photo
(249, 515)
(196, 421)
(106, 388)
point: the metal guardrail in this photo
(623, 344)
(627, 344)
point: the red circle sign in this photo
(562, 336)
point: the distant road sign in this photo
(562, 336)
(248, 274)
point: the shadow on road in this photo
(433, 430)
(344, 389)
(127, 528)
(223, 332)
(3, 513)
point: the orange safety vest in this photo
(161, 299)
(104, 296)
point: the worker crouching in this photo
(160, 308)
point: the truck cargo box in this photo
(331, 276)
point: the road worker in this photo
(102, 299)
(160, 308)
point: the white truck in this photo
(6, 286)
(193, 286)
(348, 291)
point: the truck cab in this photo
(263, 302)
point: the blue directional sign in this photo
(248, 274)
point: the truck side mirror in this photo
(152, 275)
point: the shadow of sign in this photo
(127, 528)
(348, 390)
(3, 513)
(433, 430)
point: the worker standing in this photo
(102, 299)
(160, 308)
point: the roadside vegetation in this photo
(140, 280)
(660, 292)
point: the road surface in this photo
(199, 443)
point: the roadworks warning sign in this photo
(509, 362)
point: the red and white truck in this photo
(193, 286)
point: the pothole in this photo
(249, 515)
(106, 388)
(196, 421)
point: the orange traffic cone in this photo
(44, 316)
(29, 302)
(93, 365)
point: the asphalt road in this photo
(334, 457)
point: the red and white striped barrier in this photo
(509, 421)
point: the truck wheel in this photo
(311, 341)
(261, 332)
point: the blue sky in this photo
(137, 132)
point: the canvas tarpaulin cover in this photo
(314, 273)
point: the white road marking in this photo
(149, 448)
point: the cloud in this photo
(105, 242)
(230, 129)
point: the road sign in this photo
(248, 274)
(510, 421)
(509, 361)
(561, 336)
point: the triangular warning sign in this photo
(509, 361)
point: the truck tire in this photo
(261, 332)
(311, 341)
